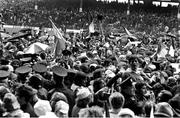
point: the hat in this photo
(23, 70)
(60, 71)
(125, 112)
(4, 74)
(42, 107)
(109, 73)
(40, 68)
(62, 107)
(112, 68)
(10, 102)
(66, 52)
(83, 93)
(163, 109)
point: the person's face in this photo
(144, 90)
(134, 63)
(130, 90)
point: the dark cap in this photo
(127, 82)
(4, 74)
(40, 68)
(66, 52)
(59, 71)
(23, 70)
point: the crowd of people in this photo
(111, 72)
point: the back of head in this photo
(116, 100)
(93, 112)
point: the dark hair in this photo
(116, 100)
(97, 84)
(82, 103)
(25, 91)
(78, 80)
(43, 55)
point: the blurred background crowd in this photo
(111, 64)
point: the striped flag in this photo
(59, 40)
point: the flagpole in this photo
(81, 5)
(128, 8)
(178, 17)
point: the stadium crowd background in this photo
(127, 67)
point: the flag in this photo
(59, 40)
(127, 31)
(129, 34)
(162, 50)
(91, 27)
(172, 47)
(171, 51)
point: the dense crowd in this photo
(111, 72)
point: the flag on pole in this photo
(171, 51)
(127, 31)
(162, 50)
(129, 34)
(91, 27)
(59, 40)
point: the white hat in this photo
(83, 93)
(109, 73)
(42, 107)
(62, 107)
(112, 68)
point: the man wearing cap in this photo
(66, 57)
(23, 73)
(58, 76)
(4, 77)
(41, 69)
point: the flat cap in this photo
(40, 68)
(59, 71)
(23, 70)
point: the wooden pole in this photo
(128, 8)
(81, 5)
(178, 17)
